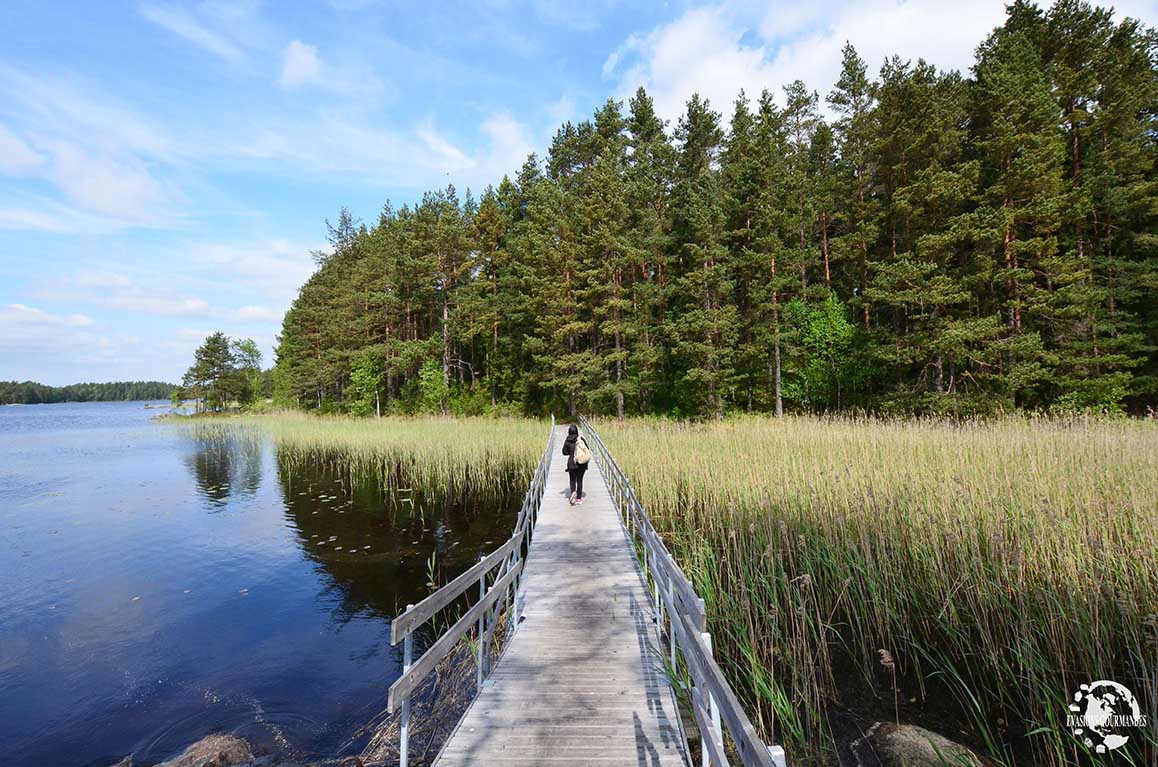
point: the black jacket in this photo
(569, 451)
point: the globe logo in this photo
(1100, 712)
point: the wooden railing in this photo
(483, 616)
(713, 702)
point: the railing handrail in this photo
(712, 697)
(508, 558)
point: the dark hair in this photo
(572, 431)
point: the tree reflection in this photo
(374, 536)
(225, 465)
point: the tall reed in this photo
(1002, 563)
(456, 452)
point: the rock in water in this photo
(213, 751)
(126, 762)
(889, 745)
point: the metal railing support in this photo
(674, 597)
(482, 593)
(482, 616)
(404, 736)
(713, 712)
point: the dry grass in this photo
(1006, 562)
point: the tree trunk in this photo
(864, 282)
(824, 247)
(779, 396)
(445, 348)
(618, 379)
(490, 367)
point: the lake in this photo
(155, 587)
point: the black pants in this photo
(576, 476)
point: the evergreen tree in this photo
(948, 243)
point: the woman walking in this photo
(578, 455)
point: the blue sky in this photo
(166, 168)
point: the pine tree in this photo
(650, 176)
(1024, 195)
(853, 99)
(707, 319)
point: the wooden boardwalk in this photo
(581, 681)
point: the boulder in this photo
(890, 745)
(213, 751)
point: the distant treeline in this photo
(32, 393)
(949, 243)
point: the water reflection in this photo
(225, 465)
(374, 535)
(162, 582)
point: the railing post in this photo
(778, 756)
(713, 708)
(404, 736)
(658, 598)
(482, 592)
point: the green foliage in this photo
(224, 371)
(825, 336)
(32, 393)
(948, 243)
(366, 380)
(433, 391)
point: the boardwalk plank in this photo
(581, 682)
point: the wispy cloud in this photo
(186, 26)
(16, 157)
(82, 111)
(36, 213)
(273, 269)
(448, 153)
(111, 290)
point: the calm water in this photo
(154, 588)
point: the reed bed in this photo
(968, 576)
(482, 453)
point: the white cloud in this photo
(98, 155)
(101, 280)
(277, 269)
(300, 65)
(81, 112)
(14, 315)
(35, 213)
(29, 331)
(184, 25)
(716, 51)
(63, 348)
(451, 156)
(158, 305)
(28, 220)
(700, 52)
(121, 188)
(256, 314)
(112, 290)
(508, 144)
(560, 111)
(16, 157)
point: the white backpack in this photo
(582, 452)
